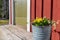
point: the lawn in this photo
(3, 22)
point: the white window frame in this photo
(28, 15)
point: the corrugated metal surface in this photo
(40, 33)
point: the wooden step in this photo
(18, 32)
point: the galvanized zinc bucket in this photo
(41, 33)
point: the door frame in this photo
(10, 12)
(12, 17)
(28, 15)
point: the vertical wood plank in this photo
(56, 16)
(56, 13)
(47, 8)
(55, 35)
(32, 12)
(38, 8)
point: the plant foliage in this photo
(42, 22)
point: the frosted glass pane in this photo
(21, 12)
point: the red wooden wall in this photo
(50, 9)
(56, 16)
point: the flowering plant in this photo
(42, 22)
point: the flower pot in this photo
(41, 33)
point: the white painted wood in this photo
(28, 15)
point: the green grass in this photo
(3, 22)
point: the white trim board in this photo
(28, 15)
(10, 12)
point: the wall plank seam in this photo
(51, 15)
(42, 8)
(35, 9)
